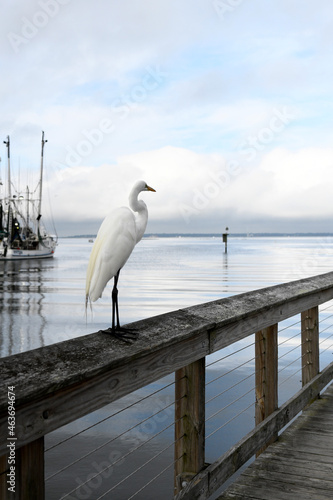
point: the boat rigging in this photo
(22, 232)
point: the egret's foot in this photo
(125, 334)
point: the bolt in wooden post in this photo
(189, 422)
(310, 344)
(266, 366)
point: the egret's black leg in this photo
(115, 300)
(125, 334)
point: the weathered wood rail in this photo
(60, 383)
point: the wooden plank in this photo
(270, 466)
(42, 371)
(274, 490)
(302, 456)
(70, 362)
(299, 466)
(205, 483)
(64, 406)
(300, 463)
(310, 344)
(266, 375)
(239, 316)
(285, 477)
(189, 422)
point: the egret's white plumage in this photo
(120, 231)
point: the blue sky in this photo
(223, 106)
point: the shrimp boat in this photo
(22, 233)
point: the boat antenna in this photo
(41, 180)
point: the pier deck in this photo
(299, 465)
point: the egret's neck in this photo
(141, 210)
(135, 204)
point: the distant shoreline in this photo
(216, 235)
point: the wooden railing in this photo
(60, 383)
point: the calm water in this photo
(42, 302)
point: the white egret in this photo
(120, 231)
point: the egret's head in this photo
(142, 186)
(148, 188)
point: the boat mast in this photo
(1, 199)
(41, 181)
(10, 214)
(28, 216)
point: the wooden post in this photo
(225, 241)
(4, 468)
(310, 344)
(189, 422)
(30, 471)
(28, 477)
(266, 366)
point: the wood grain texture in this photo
(209, 480)
(298, 466)
(189, 421)
(310, 344)
(266, 375)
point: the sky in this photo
(224, 107)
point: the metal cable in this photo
(325, 319)
(231, 354)
(291, 350)
(329, 347)
(231, 387)
(111, 440)
(230, 371)
(157, 475)
(292, 375)
(324, 329)
(289, 326)
(230, 420)
(227, 406)
(289, 338)
(325, 308)
(121, 458)
(109, 416)
(139, 468)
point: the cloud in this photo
(193, 188)
(203, 130)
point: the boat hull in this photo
(21, 254)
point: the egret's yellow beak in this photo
(150, 189)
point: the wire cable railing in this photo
(110, 416)
(230, 391)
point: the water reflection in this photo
(21, 305)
